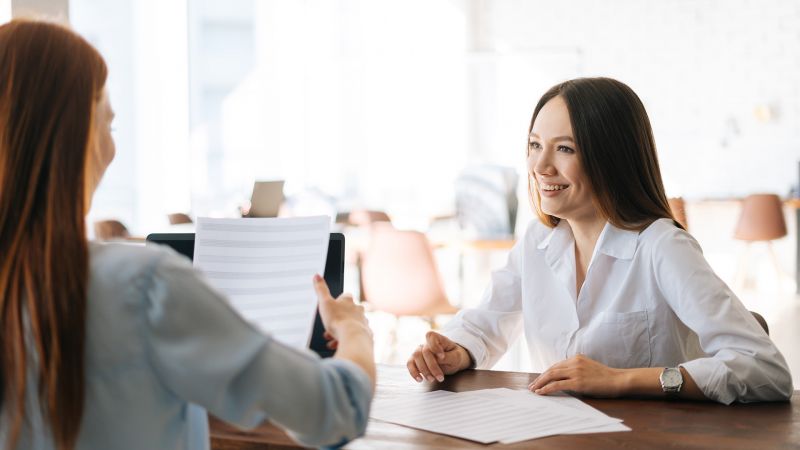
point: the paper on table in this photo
(470, 416)
(572, 402)
(265, 267)
(526, 397)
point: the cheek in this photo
(108, 148)
(575, 175)
(531, 162)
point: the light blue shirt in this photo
(163, 347)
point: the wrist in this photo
(467, 362)
(349, 326)
(642, 381)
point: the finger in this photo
(435, 344)
(322, 288)
(413, 370)
(422, 366)
(433, 366)
(332, 345)
(555, 386)
(548, 376)
(559, 365)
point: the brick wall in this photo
(720, 79)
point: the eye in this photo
(565, 149)
(533, 145)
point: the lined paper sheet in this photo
(483, 418)
(526, 398)
(265, 266)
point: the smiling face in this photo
(555, 167)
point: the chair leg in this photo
(775, 262)
(741, 280)
(393, 342)
(431, 322)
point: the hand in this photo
(582, 375)
(337, 313)
(438, 357)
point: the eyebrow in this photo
(557, 138)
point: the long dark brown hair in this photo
(616, 149)
(50, 81)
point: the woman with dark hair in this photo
(614, 297)
(114, 346)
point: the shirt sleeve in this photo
(487, 331)
(742, 362)
(205, 353)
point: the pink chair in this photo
(399, 275)
(364, 217)
(761, 219)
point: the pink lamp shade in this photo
(761, 218)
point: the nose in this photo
(541, 163)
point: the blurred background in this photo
(415, 113)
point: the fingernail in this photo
(440, 356)
(419, 379)
(538, 391)
(440, 378)
(317, 277)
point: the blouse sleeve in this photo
(487, 331)
(206, 354)
(742, 363)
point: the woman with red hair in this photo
(113, 346)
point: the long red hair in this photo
(50, 81)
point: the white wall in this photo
(720, 79)
(53, 9)
(5, 11)
(144, 43)
(383, 102)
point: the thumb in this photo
(437, 343)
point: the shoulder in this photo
(124, 264)
(664, 241)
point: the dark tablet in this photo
(183, 243)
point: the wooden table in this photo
(655, 423)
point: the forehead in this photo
(553, 120)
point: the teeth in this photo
(554, 187)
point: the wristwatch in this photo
(671, 380)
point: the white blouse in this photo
(649, 299)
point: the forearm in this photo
(645, 382)
(355, 344)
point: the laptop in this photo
(183, 243)
(266, 199)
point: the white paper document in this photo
(492, 415)
(265, 267)
(525, 397)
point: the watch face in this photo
(671, 377)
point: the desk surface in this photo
(655, 423)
